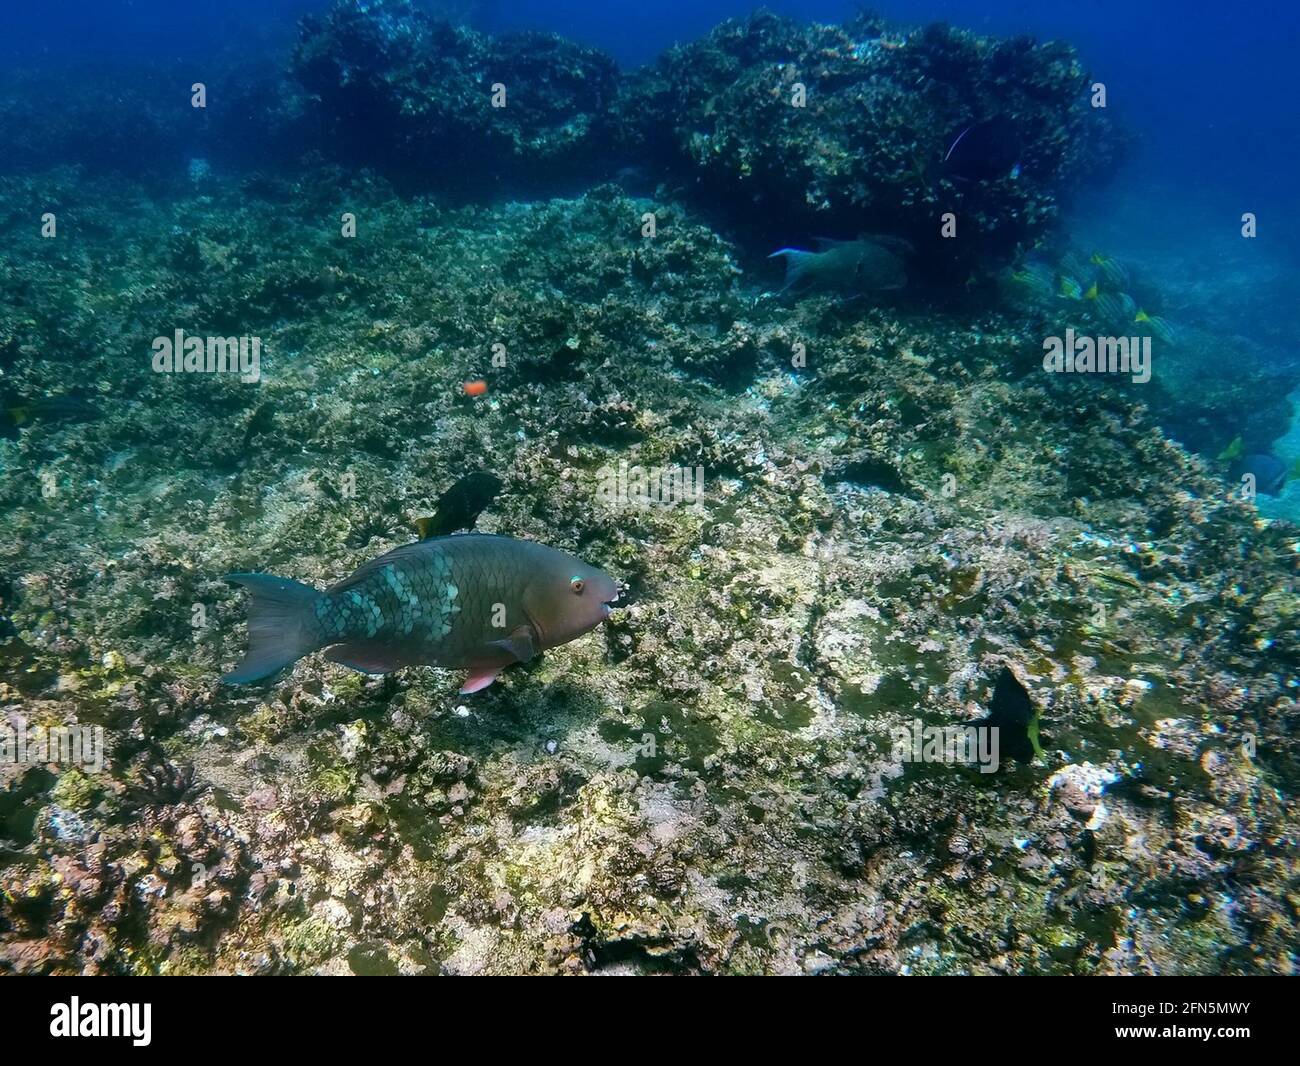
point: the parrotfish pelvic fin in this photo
(479, 679)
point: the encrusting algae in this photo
(904, 525)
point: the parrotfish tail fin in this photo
(797, 262)
(281, 626)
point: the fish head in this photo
(566, 597)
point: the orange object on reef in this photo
(475, 388)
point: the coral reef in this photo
(803, 130)
(393, 87)
(705, 785)
(897, 504)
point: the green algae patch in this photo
(371, 960)
(893, 694)
(75, 791)
(328, 776)
(787, 715)
(668, 733)
(788, 710)
(414, 824)
(309, 942)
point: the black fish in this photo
(460, 506)
(984, 150)
(1268, 470)
(1013, 715)
(16, 414)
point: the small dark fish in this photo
(871, 264)
(1012, 713)
(19, 414)
(460, 506)
(260, 421)
(7, 627)
(984, 150)
(472, 602)
(1269, 471)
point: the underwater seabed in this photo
(826, 593)
(900, 514)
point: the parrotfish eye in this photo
(577, 584)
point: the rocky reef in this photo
(843, 130)
(783, 129)
(898, 503)
(438, 104)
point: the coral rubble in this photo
(895, 506)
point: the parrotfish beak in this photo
(609, 596)
(608, 604)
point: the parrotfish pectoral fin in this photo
(278, 632)
(520, 643)
(479, 679)
(366, 657)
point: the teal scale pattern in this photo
(411, 599)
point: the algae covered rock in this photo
(894, 507)
(802, 130)
(397, 89)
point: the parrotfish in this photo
(472, 602)
(1269, 472)
(16, 414)
(867, 265)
